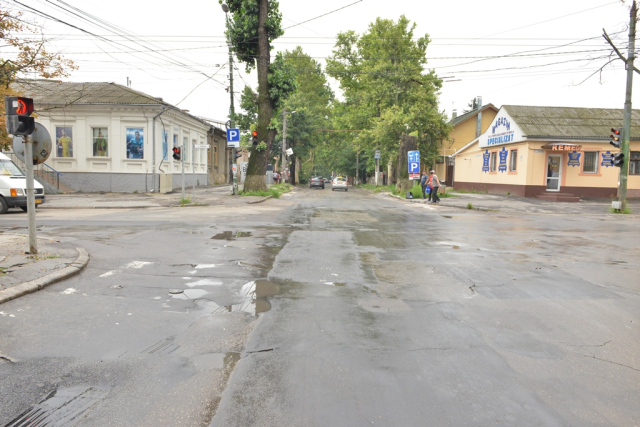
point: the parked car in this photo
(13, 187)
(316, 181)
(340, 183)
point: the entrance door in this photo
(554, 172)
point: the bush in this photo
(469, 206)
(275, 191)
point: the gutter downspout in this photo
(153, 157)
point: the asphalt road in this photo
(331, 308)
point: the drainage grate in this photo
(61, 408)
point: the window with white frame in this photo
(513, 160)
(492, 167)
(196, 152)
(634, 163)
(185, 144)
(590, 162)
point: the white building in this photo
(108, 137)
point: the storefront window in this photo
(634, 163)
(492, 168)
(513, 161)
(590, 162)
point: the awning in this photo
(562, 146)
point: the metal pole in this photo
(377, 171)
(31, 199)
(182, 162)
(232, 113)
(357, 166)
(284, 138)
(193, 172)
(626, 129)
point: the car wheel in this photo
(323, 187)
(346, 189)
(24, 208)
(4, 207)
(332, 189)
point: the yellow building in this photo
(553, 153)
(464, 129)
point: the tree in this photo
(25, 52)
(388, 93)
(256, 23)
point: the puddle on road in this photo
(189, 294)
(254, 299)
(231, 235)
(203, 282)
(335, 283)
(215, 361)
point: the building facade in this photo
(554, 153)
(111, 138)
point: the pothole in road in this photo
(254, 299)
(231, 235)
(205, 362)
(188, 293)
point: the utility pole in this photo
(232, 112)
(182, 163)
(284, 138)
(626, 129)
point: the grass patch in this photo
(625, 211)
(185, 201)
(275, 191)
(469, 206)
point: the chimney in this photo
(454, 114)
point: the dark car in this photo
(316, 181)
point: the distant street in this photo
(327, 308)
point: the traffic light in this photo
(615, 137)
(176, 153)
(255, 137)
(19, 120)
(617, 160)
(237, 152)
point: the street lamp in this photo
(284, 137)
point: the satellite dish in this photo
(41, 145)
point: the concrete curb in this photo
(447, 205)
(27, 287)
(259, 201)
(99, 207)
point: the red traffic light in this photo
(616, 131)
(17, 105)
(254, 133)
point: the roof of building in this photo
(61, 94)
(570, 122)
(465, 116)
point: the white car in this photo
(339, 183)
(13, 187)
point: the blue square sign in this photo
(233, 135)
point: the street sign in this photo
(41, 145)
(376, 154)
(414, 164)
(289, 151)
(233, 135)
(201, 146)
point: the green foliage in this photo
(469, 206)
(282, 80)
(387, 93)
(185, 201)
(244, 28)
(261, 146)
(248, 103)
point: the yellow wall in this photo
(633, 182)
(469, 166)
(465, 132)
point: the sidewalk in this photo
(21, 273)
(210, 195)
(514, 204)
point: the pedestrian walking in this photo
(430, 190)
(435, 187)
(423, 184)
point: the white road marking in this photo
(137, 264)
(68, 291)
(205, 266)
(110, 273)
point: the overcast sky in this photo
(551, 47)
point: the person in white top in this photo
(435, 186)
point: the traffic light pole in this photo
(182, 163)
(31, 198)
(626, 129)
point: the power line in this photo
(320, 16)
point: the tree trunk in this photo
(257, 169)
(407, 143)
